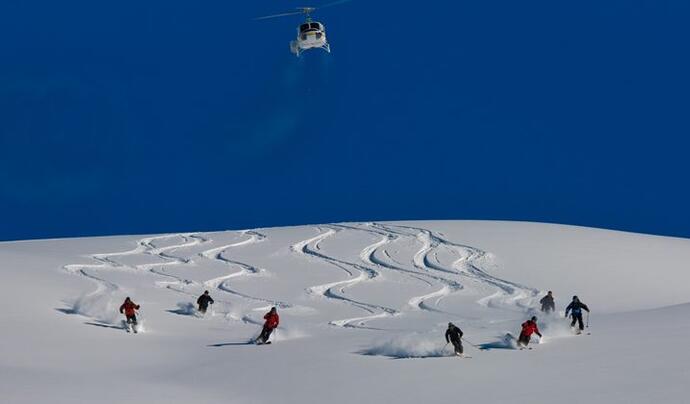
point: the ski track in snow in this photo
(311, 248)
(371, 255)
(107, 262)
(167, 258)
(165, 255)
(425, 266)
(222, 282)
(468, 264)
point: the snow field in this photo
(351, 297)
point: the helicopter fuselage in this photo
(310, 34)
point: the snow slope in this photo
(363, 310)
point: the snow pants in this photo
(203, 308)
(577, 318)
(132, 319)
(265, 334)
(457, 345)
(524, 339)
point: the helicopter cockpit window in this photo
(315, 25)
(303, 27)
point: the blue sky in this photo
(160, 116)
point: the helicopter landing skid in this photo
(297, 50)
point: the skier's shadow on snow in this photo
(183, 312)
(403, 357)
(496, 345)
(71, 311)
(184, 309)
(222, 344)
(103, 325)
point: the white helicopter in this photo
(310, 34)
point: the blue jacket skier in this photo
(575, 308)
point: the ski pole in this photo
(475, 346)
(587, 319)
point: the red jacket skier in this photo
(272, 321)
(529, 327)
(129, 308)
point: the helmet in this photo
(575, 298)
(450, 325)
(205, 292)
(534, 318)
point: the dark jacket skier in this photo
(454, 336)
(575, 308)
(129, 308)
(529, 327)
(547, 303)
(203, 301)
(272, 321)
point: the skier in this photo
(129, 308)
(547, 303)
(203, 301)
(272, 321)
(575, 308)
(529, 327)
(454, 334)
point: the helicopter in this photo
(310, 34)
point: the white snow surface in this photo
(363, 306)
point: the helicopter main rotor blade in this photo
(303, 10)
(278, 15)
(334, 3)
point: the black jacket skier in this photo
(575, 307)
(203, 301)
(547, 303)
(454, 336)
